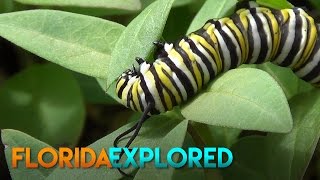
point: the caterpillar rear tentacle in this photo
(288, 37)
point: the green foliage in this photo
(233, 93)
(45, 101)
(77, 42)
(34, 102)
(13, 138)
(284, 156)
(137, 38)
(123, 4)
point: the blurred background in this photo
(96, 114)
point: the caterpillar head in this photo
(128, 82)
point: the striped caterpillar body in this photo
(287, 37)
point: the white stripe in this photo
(225, 51)
(185, 70)
(268, 33)
(303, 41)
(290, 38)
(176, 80)
(208, 56)
(309, 66)
(154, 92)
(235, 42)
(256, 40)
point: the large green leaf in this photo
(289, 82)
(44, 101)
(137, 38)
(123, 4)
(152, 132)
(80, 43)
(92, 91)
(13, 138)
(211, 9)
(284, 156)
(243, 98)
(278, 4)
(208, 135)
(146, 3)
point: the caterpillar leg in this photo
(136, 128)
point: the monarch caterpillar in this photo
(254, 35)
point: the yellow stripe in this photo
(119, 84)
(204, 43)
(167, 99)
(285, 14)
(311, 42)
(275, 29)
(243, 45)
(243, 19)
(135, 95)
(166, 81)
(195, 68)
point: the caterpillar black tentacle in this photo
(136, 128)
(287, 37)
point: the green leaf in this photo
(6, 6)
(44, 101)
(289, 82)
(284, 156)
(80, 43)
(249, 159)
(92, 91)
(207, 135)
(111, 91)
(176, 3)
(211, 9)
(13, 138)
(243, 98)
(123, 4)
(151, 133)
(279, 4)
(137, 38)
(174, 138)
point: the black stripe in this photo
(203, 33)
(238, 40)
(140, 102)
(250, 41)
(186, 61)
(181, 76)
(122, 87)
(173, 83)
(148, 96)
(204, 59)
(159, 87)
(230, 45)
(238, 23)
(297, 39)
(130, 99)
(172, 98)
(271, 32)
(316, 70)
(284, 27)
(263, 37)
